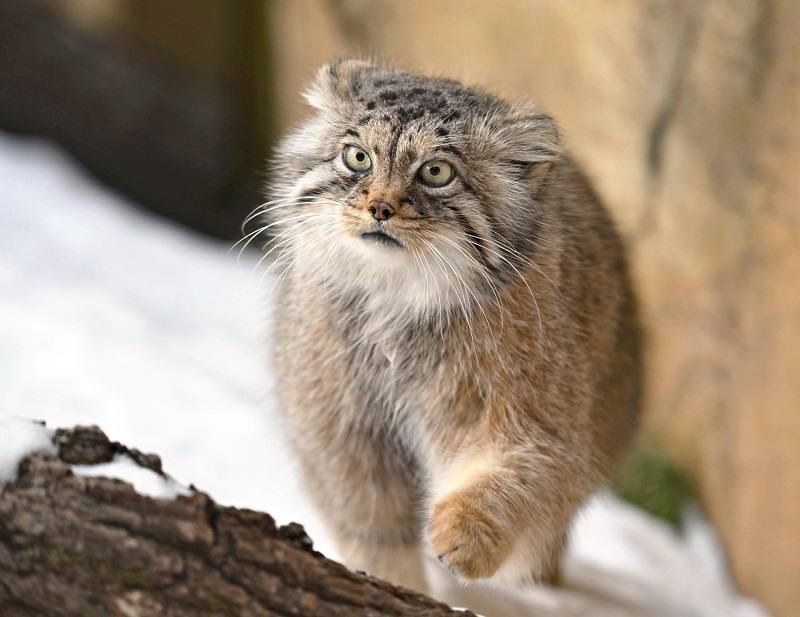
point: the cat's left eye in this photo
(436, 173)
(356, 159)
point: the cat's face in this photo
(419, 190)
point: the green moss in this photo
(648, 479)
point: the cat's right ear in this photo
(335, 82)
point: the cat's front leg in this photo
(501, 512)
(365, 491)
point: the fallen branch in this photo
(85, 546)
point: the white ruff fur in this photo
(398, 285)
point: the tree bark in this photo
(92, 546)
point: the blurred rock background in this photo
(684, 112)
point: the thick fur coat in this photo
(457, 340)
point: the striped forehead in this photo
(405, 98)
(397, 146)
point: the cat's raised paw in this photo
(464, 539)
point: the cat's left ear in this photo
(531, 142)
(335, 82)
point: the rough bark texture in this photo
(81, 546)
(685, 113)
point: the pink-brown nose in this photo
(381, 210)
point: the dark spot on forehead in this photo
(442, 132)
(409, 114)
(405, 97)
(452, 149)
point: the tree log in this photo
(86, 546)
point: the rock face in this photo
(685, 113)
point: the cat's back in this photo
(597, 288)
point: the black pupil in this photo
(360, 156)
(435, 169)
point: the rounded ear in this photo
(334, 82)
(531, 139)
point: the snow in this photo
(144, 481)
(19, 438)
(110, 316)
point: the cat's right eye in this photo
(356, 159)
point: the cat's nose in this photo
(381, 210)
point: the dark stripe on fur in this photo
(393, 148)
(451, 149)
(472, 236)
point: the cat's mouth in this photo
(381, 237)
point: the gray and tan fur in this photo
(459, 364)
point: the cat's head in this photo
(419, 189)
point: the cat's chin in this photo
(381, 249)
(381, 237)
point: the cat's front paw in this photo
(465, 539)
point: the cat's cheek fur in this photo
(312, 180)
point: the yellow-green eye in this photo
(356, 159)
(436, 173)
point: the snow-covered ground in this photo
(18, 438)
(110, 316)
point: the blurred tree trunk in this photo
(165, 101)
(80, 546)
